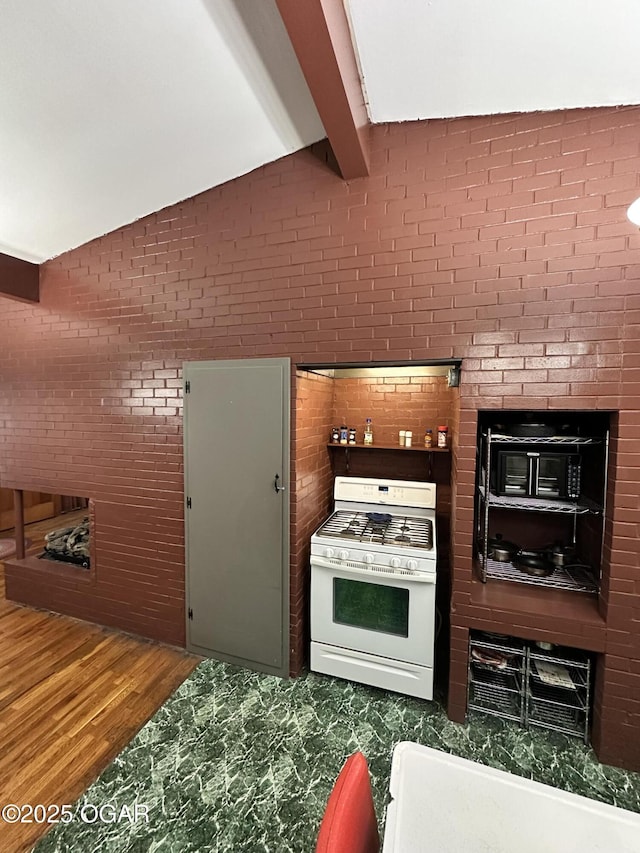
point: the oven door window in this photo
(515, 474)
(371, 606)
(551, 475)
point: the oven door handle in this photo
(370, 572)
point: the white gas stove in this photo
(373, 575)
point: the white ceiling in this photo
(111, 109)
(442, 58)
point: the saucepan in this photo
(533, 563)
(560, 555)
(502, 550)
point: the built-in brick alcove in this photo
(530, 529)
(48, 557)
(593, 623)
(410, 397)
(565, 607)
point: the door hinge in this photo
(190, 613)
(188, 503)
(187, 386)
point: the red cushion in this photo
(349, 824)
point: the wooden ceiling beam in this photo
(19, 279)
(320, 35)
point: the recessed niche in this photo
(53, 528)
(69, 541)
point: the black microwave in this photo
(533, 474)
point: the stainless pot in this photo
(533, 563)
(560, 555)
(501, 550)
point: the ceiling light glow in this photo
(633, 212)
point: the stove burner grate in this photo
(400, 531)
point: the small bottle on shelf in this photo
(368, 432)
(428, 438)
(344, 434)
(352, 435)
(443, 436)
(408, 438)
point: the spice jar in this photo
(344, 435)
(368, 432)
(408, 438)
(443, 436)
(335, 435)
(428, 438)
(402, 435)
(352, 435)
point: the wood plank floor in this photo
(72, 695)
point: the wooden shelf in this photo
(414, 447)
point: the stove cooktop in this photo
(396, 531)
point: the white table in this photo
(445, 804)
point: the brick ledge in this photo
(51, 567)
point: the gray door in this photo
(236, 442)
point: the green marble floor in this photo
(237, 762)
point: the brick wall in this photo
(313, 480)
(500, 240)
(393, 403)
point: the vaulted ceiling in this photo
(112, 109)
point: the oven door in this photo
(373, 610)
(515, 473)
(558, 476)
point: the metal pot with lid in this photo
(560, 555)
(533, 563)
(501, 549)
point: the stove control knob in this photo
(368, 558)
(412, 565)
(395, 562)
(344, 555)
(329, 553)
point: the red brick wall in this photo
(393, 403)
(500, 240)
(313, 499)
